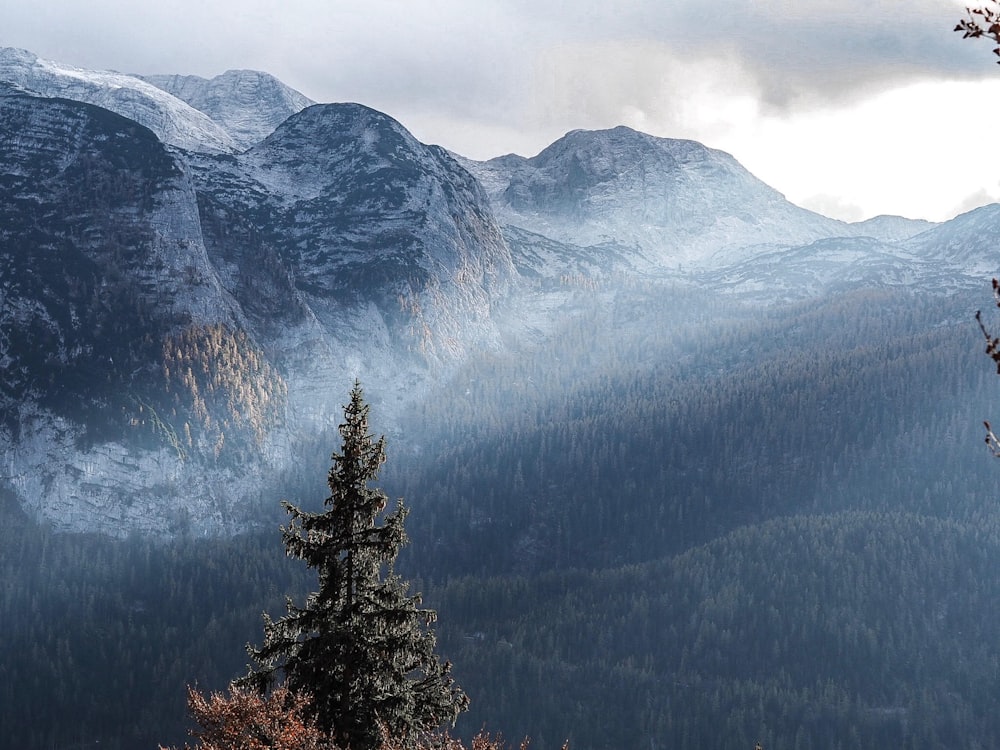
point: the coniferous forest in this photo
(684, 522)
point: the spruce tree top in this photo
(360, 645)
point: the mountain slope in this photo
(369, 219)
(812, 631)
(118, 331)
(968, 243)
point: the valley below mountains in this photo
(689, 465)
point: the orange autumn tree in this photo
(246, 720)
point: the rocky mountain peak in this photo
(249, 104)
(369, 212)
(968, 242)
(667, 200)
(335, 132)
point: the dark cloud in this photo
(492, 76)
(799, 52)
(482, 58)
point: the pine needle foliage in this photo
(361, 645)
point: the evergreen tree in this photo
(361, 646)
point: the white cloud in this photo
(908, 151)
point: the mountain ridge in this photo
(173, 121)
(674, 201)
(336, 247)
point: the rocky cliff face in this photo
(174, 323)
(367, 215)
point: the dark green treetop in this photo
(361, 645)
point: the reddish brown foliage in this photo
(245, 720)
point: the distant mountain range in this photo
(192, 272)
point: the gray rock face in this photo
(103, 266)
(248, 104)
(367, 215)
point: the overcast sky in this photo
(850, 107)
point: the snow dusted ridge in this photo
(249, 104)
(891, 228)
(670, 201)
(173, 121)
(226, 114)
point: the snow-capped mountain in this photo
(968, 243)
(248, 104)
(173, 121)
(666, 201)
(174, 322)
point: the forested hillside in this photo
(843, 630)
(683, 522)
(100, 636)
(621, 449)
(786, 530)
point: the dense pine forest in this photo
(682, 522)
